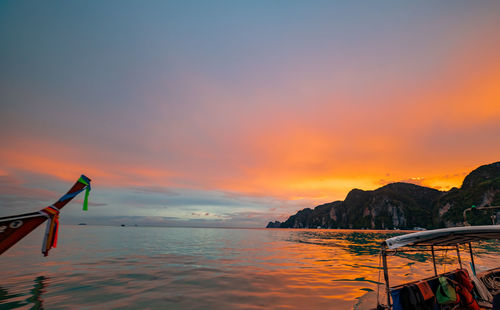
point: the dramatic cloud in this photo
(242, 111)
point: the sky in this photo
(236, 113)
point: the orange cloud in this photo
(313, 133)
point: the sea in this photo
(104, 267)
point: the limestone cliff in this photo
(405, 206)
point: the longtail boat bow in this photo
(14, 228)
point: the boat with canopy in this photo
(472, 289)
(14, 228)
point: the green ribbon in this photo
(87, 190)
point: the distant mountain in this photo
(405, 206)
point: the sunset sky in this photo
(235, 113)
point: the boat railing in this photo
(385, 252)
(445, 274)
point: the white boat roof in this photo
(446, 236)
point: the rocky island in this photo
(406, 206)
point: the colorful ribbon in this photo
(85, 181)
(50, 239)
(52, 212)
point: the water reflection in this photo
(15, 300)
(355, 242)
(184, 268)
(369, 243)
(36, 293)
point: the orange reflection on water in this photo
(185, 268)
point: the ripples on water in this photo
(204, 268)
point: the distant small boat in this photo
(82, 224)
(14, 228)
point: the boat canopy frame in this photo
(444, 239)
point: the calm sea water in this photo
(204, 268)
